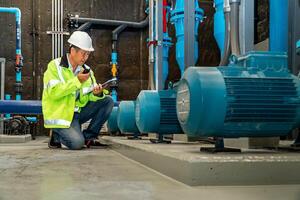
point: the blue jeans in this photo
(73, 137)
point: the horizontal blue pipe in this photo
(23, 106)
(31, 119)
(13, 10)
(20, 107)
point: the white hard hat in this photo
(81, 40)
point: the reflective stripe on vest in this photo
(87, 90)
(61, 122)
(76, 109)
(51, 83)
(59, 69)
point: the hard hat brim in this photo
(85, 49)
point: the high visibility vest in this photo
(59, 100)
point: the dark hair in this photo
(73, 46)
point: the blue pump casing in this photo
(254, 97)
(156, 112)
(112, 124)
(126, 117)
(177, 18)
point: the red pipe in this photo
(165, 4)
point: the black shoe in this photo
(52, 144)
(95, 143)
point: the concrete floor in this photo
(32, 171)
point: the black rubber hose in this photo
(84, 26)
(115, 35)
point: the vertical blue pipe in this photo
(278, 25)
(17, 13)
(177, 18)
(7, 97)
(219, 24)
(114, 61)
(298, 47)
(166, 47)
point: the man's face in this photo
(79, 56)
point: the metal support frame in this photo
(293, 36)
(2, 62)
(159, 85)
(57, 28)
(189, 33)
(151, 61)
(246, 26)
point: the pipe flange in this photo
(226, 6)
(18, 87)
(235, 1)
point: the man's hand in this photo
(97, 89)
(83, 77)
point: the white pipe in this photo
(55, 29)
(2, 61)
(52, 29)
(151, 33)
(62, 27)
(58, 28)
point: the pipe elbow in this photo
(17, 13)
(13, 10)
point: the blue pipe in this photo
(19, 58)
(21, 107)
(166, 47)
(7, 97)
(177, 18)
(278, 26)
(17, 13)
(298, 47)
(167, 43)
(32, 119)
(114, 61)
(219, 24)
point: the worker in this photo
(71, 97)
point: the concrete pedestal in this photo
(185, 163)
